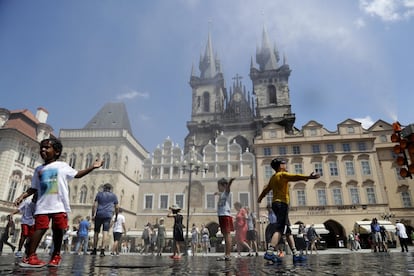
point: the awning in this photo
(319, 228)
(364, 226)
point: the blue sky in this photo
(349, 58)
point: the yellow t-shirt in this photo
(279, 184)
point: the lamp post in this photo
(387, 216)
(191, 166)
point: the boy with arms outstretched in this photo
(279, 185)
(50, 183)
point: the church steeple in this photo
(265, 56)
(271, 87)
(209, 64)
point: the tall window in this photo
(271, 90)
(371, 195)
(316, 149)
(163, 201)
(179, 200)
(72, 160)
(22, 152)
(301, 197)
(83, 194)
(282, 150)
(330, 148)
(268, 172)
(89, 160)
(351, 130)
(296, 149)
(406, 199)
(206, 102)
(33, 158)
(298, 168)
(107, 161)
(354, 195)
(318, 168)
(366, 168)
(12, 190)
(333, 168)
(337, 196)
(148, 201)
(362, 146)
(267, 151)
(349, 168)
(210, 201)
(346, 147)
(321, 196)
(244, 199)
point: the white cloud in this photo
(131, 94)
(388, 10)
(366, 122)
(360, 23)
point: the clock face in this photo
(237, 97)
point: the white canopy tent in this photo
(319, 228)
(364, 226)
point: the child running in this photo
(279, 185)
(224, 215)
(26, 209)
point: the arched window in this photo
(107, 161)
(271, 90)
(14, 182)
(72, 160)
(206, 102)
(89, 160)
(83, 194)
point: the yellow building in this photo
(359, 178)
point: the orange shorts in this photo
(27, 230)
(59, 221)
(226, 224)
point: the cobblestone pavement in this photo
(327, 262)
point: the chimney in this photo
(41, 115)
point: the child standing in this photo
(224, 215)
(50, 183)
(177, 230)
(27, 209)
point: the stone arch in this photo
(336, 234)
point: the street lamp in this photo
(387, 216)
(191, 165)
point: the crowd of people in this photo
(47, 202)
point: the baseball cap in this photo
(275, 163)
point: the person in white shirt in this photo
(118, 224)
(402, 235)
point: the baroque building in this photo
(20, 134)
(106, 136)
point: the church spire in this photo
(209, 64)
(266, 57)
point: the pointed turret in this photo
(266, 57)
(208, 66)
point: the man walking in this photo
(103, 209)
(83, 236)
